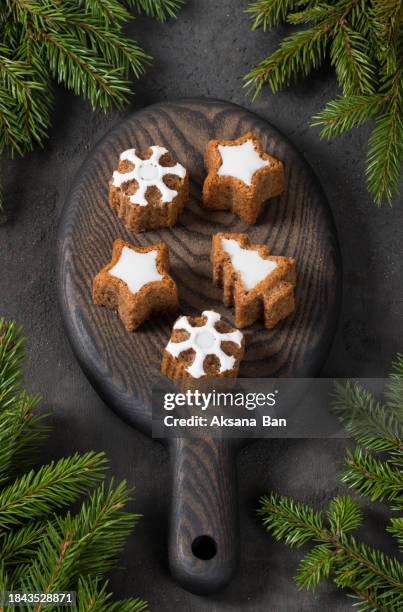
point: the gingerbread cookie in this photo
(241, 176)
(136, 283)
(203, 347)
(148, 191)
(259, 285)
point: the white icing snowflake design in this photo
(148, 173)
(204, 340)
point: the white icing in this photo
(240, 161)
(148, 173)
(136, 269)
(250, 264)
(204, 340)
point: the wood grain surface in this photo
(121, 365)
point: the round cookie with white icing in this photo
(136, 283)
(203, 347)
(241, 176)
(257, 284)
(148, 190)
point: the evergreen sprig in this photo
(80, 44)
(363, 40)
(373, 469)
(159, 9)
(43, 549)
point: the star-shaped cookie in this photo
(259, 285)
(241, 176)
(136, 283)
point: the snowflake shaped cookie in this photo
(148, 192)
(254, 282)
(203, 347)
(241, 176)
(136, 283)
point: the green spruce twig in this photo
(92, 595)
(41, 550)
(374, 578)
(159, 9)
(80, 44)
(364, 43)
(373, 469)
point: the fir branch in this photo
(374, 579)
(269, 13)
(80, 44)
(19, 545)
(394, 389)
(12, 357)
(20, 432)
(312, 11)
(111, 11)
(396, 529)
(354, 66)
(290, 521)
(107, 43)
(93, 597)
(159, 9)
(37, 548)
(373, 477)
(301, 52)
(369, 573)
(363, 568)
(345, 113)
(374, 425)
(385, 156)
(102, 527)
(81, 70)
(20, 428)
(344, 514)
(84, 544)
(5, 582)
(387, 17)
(315, 566)
(53, 486)
(364, 40)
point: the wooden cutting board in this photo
(121, 365)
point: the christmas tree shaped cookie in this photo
(136, 283)
(203, 347)
(257, 284)
(241, 176)
(148, 190)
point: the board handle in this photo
(203, 540)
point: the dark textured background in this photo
(205, 53)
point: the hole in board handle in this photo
(204, 547)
